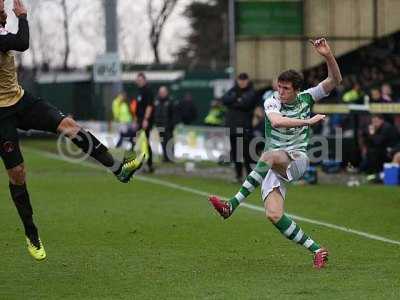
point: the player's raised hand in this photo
(19, 8)
(1, 6)
(321, 46)
(316, 119)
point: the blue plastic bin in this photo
(391, 174)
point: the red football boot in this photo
(222, 207)
(321, 258)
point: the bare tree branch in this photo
(67, 14)
(67, 49)
(157, 22)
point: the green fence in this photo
(84, 99)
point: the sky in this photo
(87, 31)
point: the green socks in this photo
(253, 180)
(293, 232)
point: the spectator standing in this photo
(145, 112)
(240, 102)
(377, 139)
(122, 115)
(186, 110)
(259, 129)
(164, 120)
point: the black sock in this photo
(20, 196)
(89, 144)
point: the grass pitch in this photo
(107, 240)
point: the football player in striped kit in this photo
(287, 130)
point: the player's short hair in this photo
(293, 77)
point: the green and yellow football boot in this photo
(35, 248)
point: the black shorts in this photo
(28, 113)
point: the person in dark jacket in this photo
(145, 112)
(240, 103)
(164, 120)
(377, 139)
(186, 111)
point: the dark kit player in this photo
(19, 109)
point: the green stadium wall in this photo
(83, 99)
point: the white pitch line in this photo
(206, 194)
(259, 208)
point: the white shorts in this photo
(294, 171)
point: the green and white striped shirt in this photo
(296, 138)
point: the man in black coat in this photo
(186, 111)
(240, 102)
(145, 112)
(164, 120)
(377, 139)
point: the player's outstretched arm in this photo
(279, 121)
(20, 40)
(334, 76)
